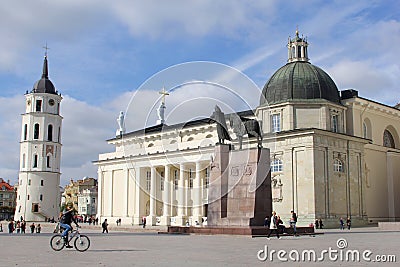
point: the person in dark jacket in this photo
(66, 218)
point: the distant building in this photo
(74, 189)
(7, 200)
(87, 202)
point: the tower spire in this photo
(45, 66)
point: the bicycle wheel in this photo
(82, 243)
(57, 242)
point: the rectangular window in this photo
(275, 123)
(29, 182)
(28, 197)
(148, 181)
(41, 182)
(48, 161)
(35, 161)
(162, 181)
(190, 179)
(93, 200)
(335, 123)
(1, 203)
(41, 197)
(207, 177)
(25, 131)
(176, 179)
(35, 207)
(38, 105)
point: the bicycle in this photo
(81, 242)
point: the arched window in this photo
(365, 130)
(36, 131)
(338, 165)
(388, 140)
(277, 165)
(25, 131)
(50, 132)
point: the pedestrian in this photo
(38, 229)
(273, 225)
(293, 221)
(348, 222)
(1, 227)
(11, 227)
(316, 224)
(281, 227)
(104, 225)
(33, 228)
(144, 221)
(23, 227)
(267, 221)
(341, 224)
(18, 227)
(321, 225)
(119, 221)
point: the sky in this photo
(112, 56)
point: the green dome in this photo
(299, 81)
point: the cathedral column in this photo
(137, 217)
(111, 192)
(126, 192)
(100, 194)
(166, 197)
(181, 196)
(197, 199)
(151, 219)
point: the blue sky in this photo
(102, 51)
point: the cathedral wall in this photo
(308, 118)
(376, 184)
(119, 192)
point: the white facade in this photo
(40, 155)
(87, 202)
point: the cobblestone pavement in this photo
(137, 247)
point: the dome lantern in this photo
(297, 48)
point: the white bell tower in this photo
(38, 196)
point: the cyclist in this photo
(66, 218)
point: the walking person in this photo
(293, 221)
(18, 227)
(144, 221)
(38, 228)
(11, 227)
(267, 221)
(104, 225)
(316, 224)
(348, 222)
(341, 224)
(273, 225)
(23, 227)
(1, 227)
(33, 228)
(321, 225)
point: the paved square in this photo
(151, 249)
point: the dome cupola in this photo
(299, 80)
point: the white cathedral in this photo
(333, 154)
(38, 195)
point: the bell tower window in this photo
(38, 105)
(25, 131)
(50, 132)
(36, 131)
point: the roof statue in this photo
(121, 123)
(222, 129)
(162, 107)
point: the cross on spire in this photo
(163, 93)
(46, 48)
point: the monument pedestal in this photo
(240, 187)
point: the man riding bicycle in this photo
(66, 218)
